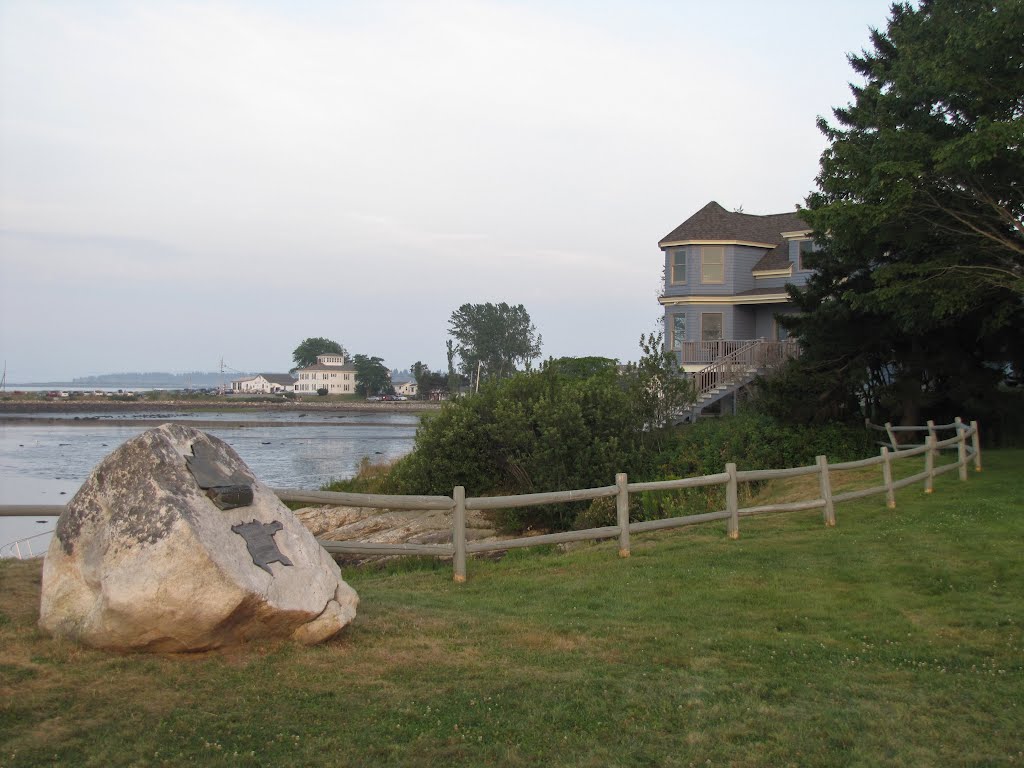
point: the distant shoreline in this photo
(101, 405)
(43, 420)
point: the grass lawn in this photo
(893, 639)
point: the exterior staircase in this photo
(732, 372)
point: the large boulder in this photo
(173, 545)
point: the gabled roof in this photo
(282, 379)
(714, 223)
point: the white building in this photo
(330, 372)
(405, 388)
(264, 383)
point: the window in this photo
(712, 264)
(678, 265)
(678, 332)
(804, 247)
(711, 326)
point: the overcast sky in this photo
(182, 182)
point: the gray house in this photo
(725, 278)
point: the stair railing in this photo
(755, 356)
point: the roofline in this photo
(764, 298)
(787, 272)
(668, 244)
(797, 233)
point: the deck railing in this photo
(459, 504)
(704, 352)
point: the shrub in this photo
(751, 441)
(545, 431)
(757, 441)
(602, 512)
(369, 478)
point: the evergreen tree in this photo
(920, 274)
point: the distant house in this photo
(264, 383)
(330, 372)
(725, 277)
(404, 388)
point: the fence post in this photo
(931, 432)
(890, 492)
(622, 513)
(961, 448)
(459, 533)
(892, 435)
(825, 483)
(732, 501)
(929, 465)
(976, 445)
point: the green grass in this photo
(893, 639)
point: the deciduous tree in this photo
(372, 376)
(427, 380)
(496, 337)
(305, 354)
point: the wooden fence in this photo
(459, 504)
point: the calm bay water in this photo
(46, 464)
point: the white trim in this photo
(787, 272)
(761, 298)
(797, 233)
(670, 244)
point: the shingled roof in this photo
(713, 222)
(281, 379)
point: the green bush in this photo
(369, 478)
(750, 440)
(602, 512)
(531, 433)
(757, 441)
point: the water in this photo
(46, 464)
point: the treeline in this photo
(151, 379)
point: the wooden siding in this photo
(738, 272)
(743, 323)
(764, 323)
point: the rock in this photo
(384, 526)
(173, 545)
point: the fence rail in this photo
(22, 548)
(458, 503)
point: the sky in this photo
(186, 182)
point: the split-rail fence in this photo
(964, 440)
